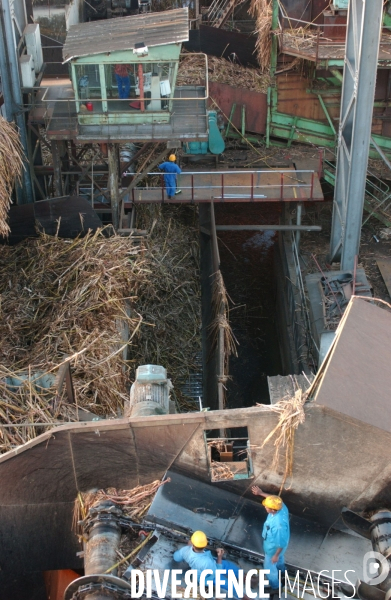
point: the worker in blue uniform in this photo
(275, 535)
(171, 171)
(199, 559)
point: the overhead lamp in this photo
(140, 49)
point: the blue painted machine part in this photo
(216, 142)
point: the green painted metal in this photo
(231, 116)
(292, 132)
(268, 116)
(123, 118)
(102, 77)
(102, 114)
(215, 141)
(326, 112)
(275, 27)
(243, 119)
(254, 139)
(167, 53)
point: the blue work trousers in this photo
(170, 181)
(274, 568)
(123, 86)
(229, 566)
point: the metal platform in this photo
(319, 46)
(266, 185)
(188, 119)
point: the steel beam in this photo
(358, 92)
(268, 228)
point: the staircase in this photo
(219, 12)
(377, 200)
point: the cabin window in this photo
(229, 454)
(88, 82)
(123, 90)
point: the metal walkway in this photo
(271, 185)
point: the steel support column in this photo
(358, 90)
(15, 93)
(113, 183)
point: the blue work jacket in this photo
(198, 561)
(276, 532)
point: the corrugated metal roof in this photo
(154, 29)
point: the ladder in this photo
(219, 11)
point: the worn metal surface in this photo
(255, 103)
(352, 379)
(153, 29)
(40, 481)
(195, 505)
(272, 185)
(384, 265)
(188, 120)
(56, 214)
(320, 51)
(188, 504)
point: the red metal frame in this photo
(306, 190)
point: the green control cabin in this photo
(124, 70)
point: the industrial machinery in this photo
(171, 520)
(377, 529)
(150, 393)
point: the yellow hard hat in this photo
(172, 158)
(199, 539)
(273, 502)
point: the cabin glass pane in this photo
(123, 89)
(88, 81)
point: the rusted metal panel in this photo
(62, 213)
(334, 25)
(317, 8)
(351, 378)
(293, 99)
(153, 29)
(384, 265)
(255, 102)
(382, 84)
(298, 9)
(271, 185)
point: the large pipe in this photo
(268, 228)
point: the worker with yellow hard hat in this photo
(275, 535)
(171, 172)
(197, 557)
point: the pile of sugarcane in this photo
(11, 166)
(192, 72)
(261, 10)
(106, 305)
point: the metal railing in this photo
(218, 11)
(307, 38)
(221, 185)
